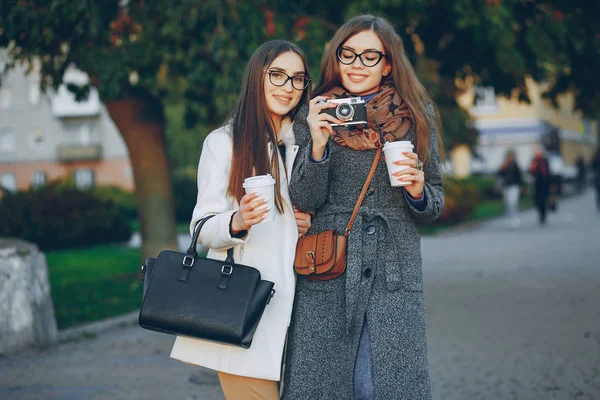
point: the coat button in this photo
(368, 273)
(370, 191)
(370, 229)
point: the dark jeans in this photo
(363, 369)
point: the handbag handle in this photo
(191, 251)
(363, 192)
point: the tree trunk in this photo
(140, 121)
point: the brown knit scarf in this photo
(390, 112)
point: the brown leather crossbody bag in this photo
(322, 256)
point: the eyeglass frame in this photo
(307, 79)
(359, 56)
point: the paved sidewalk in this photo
(512, 314)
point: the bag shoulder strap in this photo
(363, 192)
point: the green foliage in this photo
(190, 54)
(124, 200)
(461, 199)
(58, 216)
(186, 192)
(486, 186)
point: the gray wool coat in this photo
(383, 280)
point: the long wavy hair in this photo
(252, 126)
(403, 74)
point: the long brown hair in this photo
(252, 127)
(403, 74)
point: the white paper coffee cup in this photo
(264, 185)
(393, 152)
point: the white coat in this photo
(268, 247)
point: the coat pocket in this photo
(404, 270)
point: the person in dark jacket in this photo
(596, 169)
(541, 173)
(510, 173)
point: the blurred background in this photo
(104, 106)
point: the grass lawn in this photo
(93, 283)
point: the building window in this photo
(38, 179)
(34, 93)
(485, 99)
(80, 133)
(84, 178)
(37, 139)
(8, 140)
(5, 97)
(8, 181)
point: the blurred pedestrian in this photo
(541, 174)
(510, 173)
(581, 174)
(557, 167)
(596, 169)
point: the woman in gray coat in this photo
(362, 335)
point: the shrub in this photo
(185, 192)
(486, 186)
(125, 201)
(461, 198)
(60, 216)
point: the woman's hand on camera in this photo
(303, 220)
(253, 209)
(415, 177)
(320, 125)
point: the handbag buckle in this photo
(311, 254)
(224, 270)
(186, 257)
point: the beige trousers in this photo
(237, 387)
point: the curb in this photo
(95, 328)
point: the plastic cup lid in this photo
(401, 143)
(258, 181)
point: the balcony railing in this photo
(69, 153)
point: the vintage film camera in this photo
(351, 110)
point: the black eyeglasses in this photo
(280, 78)
(369, 58)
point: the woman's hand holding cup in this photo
(253, 210)
(412, 178)
(320, 125)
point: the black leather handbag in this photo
(203, 298)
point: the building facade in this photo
(507, 124)
(46, 137)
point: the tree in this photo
(136, 53)
(499, 43)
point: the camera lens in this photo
(344, 112)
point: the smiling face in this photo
(356, 77)
(282, 99)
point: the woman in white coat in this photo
(256, 140)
